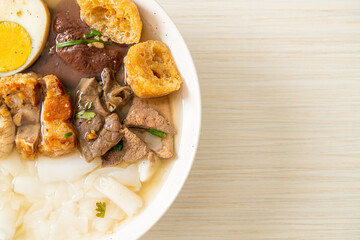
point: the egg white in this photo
(33, 15)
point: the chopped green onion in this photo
(101, 209)
(157, 133)
(69, 134)
(88, 106)
(80, 42)
(68, 91)
(119, 146)
(92, 33)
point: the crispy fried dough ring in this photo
(151, 70)
(118, 20)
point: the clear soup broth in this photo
(51, 195)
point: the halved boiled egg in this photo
(24, 27)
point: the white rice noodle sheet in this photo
(93, 193)
(5, 183)
(65, 223)
(67, 168)
(87, 206)
(8, 226)
(114, 212)
(127, 200)
(36, 215)
(31, 187)
(12, 164)
(147, 168)
(128, 176)
(102, 225)
(7, 197)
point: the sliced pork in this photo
(147, 118)
(153, 114)
(7, 131)
(22, 93)
(98, 130)
(27, 115)
(108, 137)
(133, 150)
(27, 140)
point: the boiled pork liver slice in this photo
(148, 118)
(154, 113)
(105, 126)
(133, 150)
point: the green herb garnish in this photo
(101, 209)
(84, 114)
(92, 33)
(69, 134)
(157, 133)
(68, 91)
(119, 146)
(88, 106)
(79, 42)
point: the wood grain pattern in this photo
(279, 156)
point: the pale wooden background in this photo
(279, 156)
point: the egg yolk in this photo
(15, 46)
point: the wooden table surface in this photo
(279, 155)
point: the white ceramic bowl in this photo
(158, 26)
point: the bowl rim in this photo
(197, 126)
(187, 166)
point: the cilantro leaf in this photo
(84, 114)
(101, 209)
